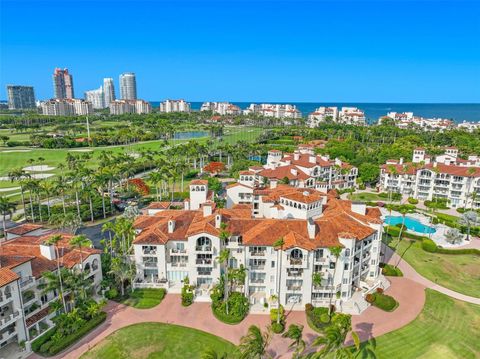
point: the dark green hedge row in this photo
(227, 319)
(45, 347)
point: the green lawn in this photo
(458, 272)
(446, 328)
(157, 340)
(367, 197)
(145, 298)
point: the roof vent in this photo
(306, 193)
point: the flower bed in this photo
(382, 301)
(51, 343)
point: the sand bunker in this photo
(10, 151)
(41, 175)
(81, 150)
(8, 189)
(39, 168)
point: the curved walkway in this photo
(410, 273)
(372, 322)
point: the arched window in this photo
(347, 252)
(204, 241)
(296, 254)
(95, 264)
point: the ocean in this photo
(373, 111)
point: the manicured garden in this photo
(382, 300)
(391, 271)
(145, 298)
(158, 340)
(458, 272)
(372, 197)
(446, 328)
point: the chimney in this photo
(296, 155)
(312, 159)
(311, 228)
(186, 205)
(273, 183)
(359, 207)
(171, 225)
(218, 220)
(401, 161)
(207, 209)
(48, 252)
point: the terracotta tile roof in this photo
(7, 276)
(199, 182)
(284, 171)
(37, 316)
(24, 229)
(453, 170)
(237, 184)
(246, 173)
(304, 196)
(158, 205)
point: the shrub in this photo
(458, 251)
(370, 298)
(273, 314)
(429, 246)
(308, 307)
(316, 317)
(412, 200)
(325, 318)
(391, 271)
(379, 290)
(111, 293)
(384, 302)
(237, 308)
(37, 343)
(278, 328)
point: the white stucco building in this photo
(445, 176)
(24, 306)
(168, 106)
(221, 108)
(120, 107)
(273, 110)
(171, 245)
(66, 107)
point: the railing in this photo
(179, 264)
(5, 297)
(320, 259)
(294, 274)
(150, 251)
(257, 267)
(203, 249)
(257, 253)
(204, 261)
(9, 318)
(150, 264)
(27, 282)
(257, 281)
(294, 287)
(204, 273)
(178, 251)
(296, 261)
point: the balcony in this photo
(150, 264)
(203, 248)
(204, 273)
(175, 251)
(179, 264)
(320, 260)
(150, 252)
(5, 298)
(208, 262)
(9, 318)
(294, 273)
(257, 267)
(294, 288)
(257, 253)
(27, 283)
(296, 261)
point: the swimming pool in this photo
(411, 223)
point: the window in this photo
(203, 241)
(345, 281)
(372, 262)
(273, 264)
(345, 266)
(296, 254)
(347, 252)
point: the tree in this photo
(317, 278)
(332, 340)
(453, 236)
(278, 245)
(20, 175)
(468, 219)
(53, 241)
(212, 354)
(368, 172)
(6, 209)
(254, 344)
(121, 271)
(335, 251)
(223, 258)
(79, 242)
(295, 333)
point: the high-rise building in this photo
(96, 97)
(128, 86)
(20, 97)
(120, 107)
(174, 106)
(108, 91)
(62, 84)
(66, 107)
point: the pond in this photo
(411, 223)
(189, 134)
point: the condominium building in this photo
(96, 98)
(128, 86)
(221, 108)
(66, 107)
(24, 305)
(63, 84)
(20, 97)
(409, 120)
(174, 106)
(120, 107)
(322, 114)
(352, 116)
(171, 245)
(108, 91)
(445, 176)
(469, 126)
(273, 110)
(300, 169)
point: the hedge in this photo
(391, 271)
(227, 319)
(458, 251)
(384, 302)
(316, 318)
(45, 347)
(429, 246)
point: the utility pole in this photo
(88, 132)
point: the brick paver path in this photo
(372, 322)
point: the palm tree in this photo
(31, 186)
(331, 343)
(335, 251)
(80, 242)
(468, 219)
(53, 241)
(20, 175)
(223, 258)
(48, 188)
(295, 333)
(212, 354)
(6, 209)
(317, 278)
(278, 245)
(254, 344)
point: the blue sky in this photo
(376, 51)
